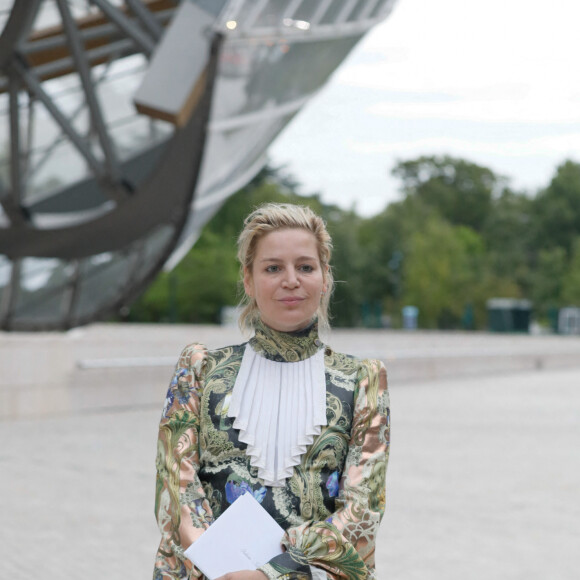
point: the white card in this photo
(244, 537)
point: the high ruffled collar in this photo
(286, 346)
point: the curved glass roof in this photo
(125, 124)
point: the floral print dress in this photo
(332, 505)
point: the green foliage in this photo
(461, 191)
(509, 234)
(195, 291)
(348, 268)
(557, 209)
(440, 272)
(458, 237)
(571, 278)
(547, 279)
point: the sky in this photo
(493, 82)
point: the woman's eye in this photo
(306, 268)
(272, 269)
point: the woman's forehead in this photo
(288, 239)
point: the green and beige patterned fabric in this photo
(332, 505)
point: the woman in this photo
(301, 427)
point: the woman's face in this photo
(286, 279)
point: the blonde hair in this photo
(271, 217)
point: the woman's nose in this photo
(291, 280)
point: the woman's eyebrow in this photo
(299, 258)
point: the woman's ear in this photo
(325, 271)
(248, 286)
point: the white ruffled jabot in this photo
(279, 407)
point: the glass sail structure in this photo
(125, 125)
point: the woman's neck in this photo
(286, 346)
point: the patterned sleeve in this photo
(344, 544)
(181, 508)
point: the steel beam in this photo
(254, 14)
(95, 56)
(10, 295)
(84, 71)
(346, 11)
(15, 168)
(35, 87)
(16, 28)
(323, 7)
(141, 39)
(368, 9)
(49, 47)
(146, 17)
(291, 9)
(47, 150)
(71, 295)
(176, 175)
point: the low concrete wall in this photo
(96, 367)
(121, 366)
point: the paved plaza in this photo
(483, 481)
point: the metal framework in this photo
(131, 193)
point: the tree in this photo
(384, 241)
(348, 267)
(509, 234)
(571, 278)
(461, 191)
(440, 270)
(557, 209)
(458, 237)
(198, 287)
(548, 278)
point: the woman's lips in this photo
(291, 300)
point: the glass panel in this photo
(360, 5)
(54, 160)
(255, 78)
(135, 134)
(49, 15)
(4, 169)
(117, 83)
(272, 14)
(333, 11)
(154, 248)
(5, 8)
(4, 221)
(55, 168)
(242, 147)
(156, 245)
(5, 272)
(381, 5)
(42, 284)
(192, 230)
(306, 11)
(67, 94)
(103, 281)
(5, 178)
(211, 6)
(131, 133)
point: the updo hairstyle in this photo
(271, 217)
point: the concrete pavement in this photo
(483, 482)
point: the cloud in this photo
(489, 110)
(554, 146)
(460, 46)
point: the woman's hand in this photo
(244, 575)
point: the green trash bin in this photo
(509, 315)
